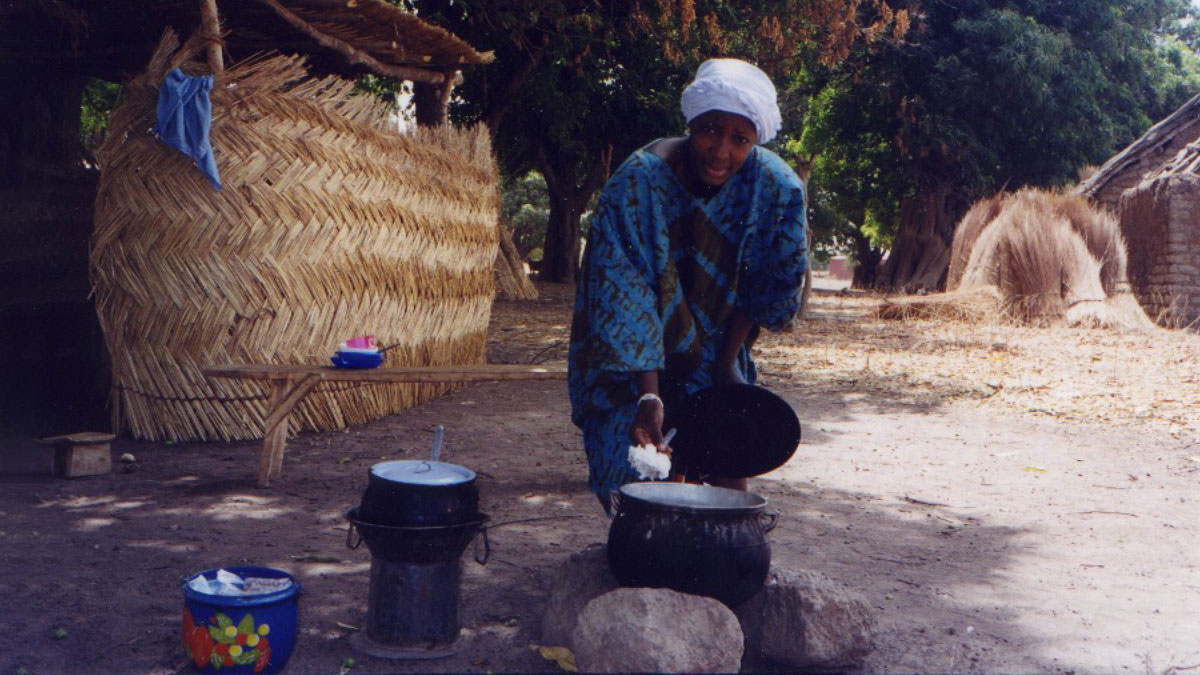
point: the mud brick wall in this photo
(1161, 224)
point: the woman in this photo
(697, 241)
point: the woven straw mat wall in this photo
(328, 226)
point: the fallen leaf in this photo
(1037, 469)
(560, 655)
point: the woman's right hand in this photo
(647, 425)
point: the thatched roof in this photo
(1146, 153)
(114, 39)
(1186, 161)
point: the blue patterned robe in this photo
(663, 271)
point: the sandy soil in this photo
(1009, 499)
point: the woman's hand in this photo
(647, 425)
(737, 330)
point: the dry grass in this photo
(1073, 375)
(1047, 257)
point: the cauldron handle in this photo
(350, 537)
(487, 548)
(768, 520)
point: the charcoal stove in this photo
(417, 518)
(412, 605)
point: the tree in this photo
(988, 94)
(525, 206)
(578, 82)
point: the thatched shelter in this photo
(329, 225)
(47, 52)
(1161, 220)
(1036, 257)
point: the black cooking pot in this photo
(419, 493)
(419, 545)
(695, 539)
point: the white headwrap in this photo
(735, 86)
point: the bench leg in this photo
(285, 394)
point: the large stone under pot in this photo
(696, 539)
(419, 493)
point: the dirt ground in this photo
(1008, 499)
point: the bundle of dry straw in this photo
(1035, 257)
(330, 225)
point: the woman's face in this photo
(718, 144)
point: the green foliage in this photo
(575, 79)
(988, 95)
(525, 206)
(99, 99)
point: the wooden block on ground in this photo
(82, 454)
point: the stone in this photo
(583, 577)
(804, 619)
(657, 630)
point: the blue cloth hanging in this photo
(185, 117)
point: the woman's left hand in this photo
(736, 331)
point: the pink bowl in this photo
(362, 342)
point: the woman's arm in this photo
(736, 331)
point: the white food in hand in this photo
(649, 462)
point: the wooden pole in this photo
(211, 22)
(355, 55)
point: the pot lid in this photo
(422, 472)
(690, 497)
(733, 430)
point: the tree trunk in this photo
(806, 290)
(432, 101)
(568, 199)
(512, 283)
(920, 254)
(560, 252)
(867, 258)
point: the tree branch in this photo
(598, 173)
(501, 102)
(553, 185)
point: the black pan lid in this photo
(734, 431)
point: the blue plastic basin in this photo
(240, 634)
(356, 359)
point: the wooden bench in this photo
(290, 384)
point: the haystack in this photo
(1043, 257)
(512, 281)
(330, 225)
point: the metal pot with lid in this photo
(420, 492)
